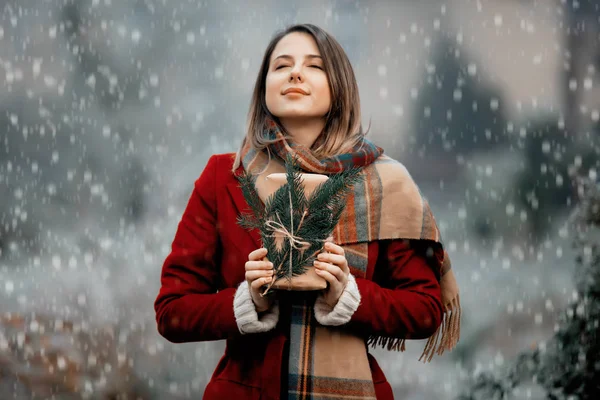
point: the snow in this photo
(110, 111)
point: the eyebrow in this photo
(287, 56)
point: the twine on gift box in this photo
(295, 241)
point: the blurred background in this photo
(109, 110)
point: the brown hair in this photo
(343, 127)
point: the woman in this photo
(383, 265)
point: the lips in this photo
(295, 90)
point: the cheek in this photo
(269, 84)
(271, 89)
(323, 93)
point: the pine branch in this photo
(335, 189)
(323, 218)
(294, 180)
(248, 221)
(247, 184)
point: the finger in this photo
(256, 284)
(334, 248)
(254, 265)
(329, 239)
(257, 254)
(254, 275)
(333, 281)
(330, 268)
(333, 259)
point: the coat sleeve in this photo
(404, 298)
(188, 307)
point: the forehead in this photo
(296, 44)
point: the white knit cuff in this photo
(246, 315)
(344, 309)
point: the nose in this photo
(295, 76)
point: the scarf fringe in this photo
(391, 344)
(445, 337)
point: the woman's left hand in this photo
(333, 267)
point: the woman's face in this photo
(296, 64)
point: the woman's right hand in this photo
(259, 272)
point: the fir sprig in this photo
(294, 179)
(253, 220)
(310, 220)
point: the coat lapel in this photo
(236, 194)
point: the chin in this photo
(297, 113)
(292, 114)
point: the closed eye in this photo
(283, 66)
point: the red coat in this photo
(400, 296)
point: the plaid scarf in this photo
(329, 361)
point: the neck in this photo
(304, 131)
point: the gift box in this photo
(296, 214)
(309, 280)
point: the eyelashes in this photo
(311, 66)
